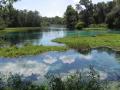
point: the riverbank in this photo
(95, 29)
(79, 42)
(28, 50)
(18, 29)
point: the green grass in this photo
(18, 29)
(28, 50)
(95, 29)
(109, 40)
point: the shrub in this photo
(84, 80)
(80, 25)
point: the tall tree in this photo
(6, 7)
(86, 15)
(113, 18)
(117, 2)
(71, 17)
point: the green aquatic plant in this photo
(14, 51)
(80, 80)
(108, 40)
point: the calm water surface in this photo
(44, 36)
(105, 61)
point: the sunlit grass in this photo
(95, 29)
(14, 51)
(19, 29)
(108, 40)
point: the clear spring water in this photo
(35, 67)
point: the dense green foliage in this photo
(46, 21)
(113, 18)
(5, 10)
(10, 17)
(90, 13)
(80, 25)
(24, 18)
(95, 13)
(87, 80)
(111, 41)
(17, 18)
(2, 24)
(71, 17)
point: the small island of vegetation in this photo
(81, 42)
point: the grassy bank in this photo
(100, 27)
(28, 50)
(95, 29)
(109, 40)
(20, 29)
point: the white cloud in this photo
(26, 68)
(67, 59)
(86, 57)
(76, 1)
(49, 60)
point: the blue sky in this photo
(48, 8)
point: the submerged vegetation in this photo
(14, 51)
(89, 80)
(78, 42)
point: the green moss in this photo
(28, 50)
(109, 40)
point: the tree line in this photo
(87, 13)
(11, 17)
(46, 21)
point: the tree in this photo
(24, 18)
(2, 24)
(113, 18)
(6, 7)
(86, 15)
(99, 14)
(85, 3)
(117, 2)
(71, 17)
(94, 13)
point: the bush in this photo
(2, 24)
(80, 25)
(86, 80)
(83, 80)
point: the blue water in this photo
(45, 36)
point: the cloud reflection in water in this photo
(60, 62)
